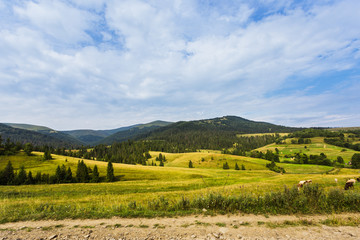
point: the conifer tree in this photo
(38, 178)
(8, 174)
(225, 165)
(161, 163)
(21, 177)
(30, 179)
(242, 167)
(110, 172)
(82, 174)
(47, 155)
(191, 164)
(58, 175)
(236, 167)
(28, 148)
(95, 175)
(68, 175)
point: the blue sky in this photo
(105, 64)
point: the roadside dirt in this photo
(189, 227)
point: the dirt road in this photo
(190, 227)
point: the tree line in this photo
(84, 174)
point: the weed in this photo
(202, 223)
(245, 224)
(87, 226)
(220, 224)
(158, 226)
(143, 226)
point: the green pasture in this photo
(316, 147)
(154, 190)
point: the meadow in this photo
(176, 189)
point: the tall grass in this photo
(312, 199)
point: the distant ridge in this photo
(65, 138)
(206, 130)
(134, 132)
(36, 138)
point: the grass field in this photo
(157, 191)
(316, 147)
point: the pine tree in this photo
(47, 155)
(82, 174)
(110, 173)
(191, 164)
(226, 166)
(58, 175)
(30, 179)
(28, 148)
(95, 175)
(161, 163)
(242, 167)
(8, 174)
(68, 175)
(236, 167)
(37, 179)
(21, 177)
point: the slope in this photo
(38, 138)
(214, 133)
(133, 132)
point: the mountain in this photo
(133, 132)
(234, 124)
(213, 133)
(90, 137)
(207, 133)
(23, 135)
(71, 141)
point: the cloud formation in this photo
(104, 64)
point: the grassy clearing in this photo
(315, 148)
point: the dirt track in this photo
(190, 227)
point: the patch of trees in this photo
(321, 159)
(269, 155)
(341, 142)
(301, 141)
(273, 167)
(355, 160)
(84, 174)
(314, 132)
(243, 144)
(8, 147)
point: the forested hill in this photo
(214, 133)
(37, 138)
(91, 137)
(133, 132)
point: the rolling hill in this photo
(43, 136)
(213, 133)
(205, 133)
(133, 132)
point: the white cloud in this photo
(175, 61)
(58, 20)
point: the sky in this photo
(98, 64)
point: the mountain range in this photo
(159, 130)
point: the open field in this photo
(171, 190)
(316, 147)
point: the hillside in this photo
(41, 138)
(216, 133)
(90, 137)
(134, 132)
